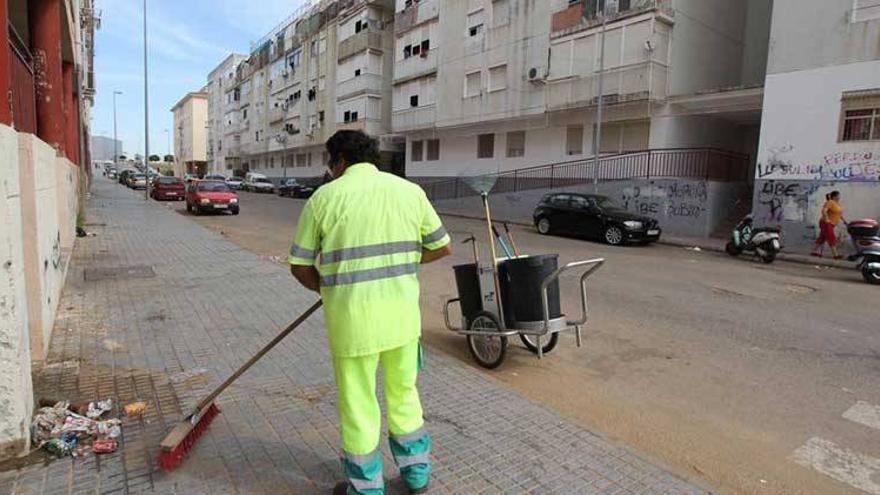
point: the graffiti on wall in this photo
(842, 166)
(672, 199)
(785, 200)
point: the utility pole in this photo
(146, 111)
(609, 7)
(115, 140)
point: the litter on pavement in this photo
(135, 408)
(63, 431)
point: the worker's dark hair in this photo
(832, 195)
(354, 146)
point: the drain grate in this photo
(118, 272)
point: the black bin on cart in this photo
(520, 280)
(470, 293)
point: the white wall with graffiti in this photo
(802, 155)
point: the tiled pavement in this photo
(157, 308)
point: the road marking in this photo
(856, 470)
(864, 413)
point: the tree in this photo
(168, 158)
(155, 158)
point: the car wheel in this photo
(543, 225)
(235, 211)
(613, 235)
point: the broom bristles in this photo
(171, 458)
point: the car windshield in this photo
(262, 180)
(137, 176)
(213, 187)
(606, 203)
(291, 182)
(169, 180)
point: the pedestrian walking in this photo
(359, 242)
(832, 215)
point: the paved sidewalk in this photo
(157, 308)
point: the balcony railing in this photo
(416, 66)
(641, 81)
(416, 14)
(358, 43)
(413, 118)
(691, 163)
(364, 83)
(572, 18)
(23, 97)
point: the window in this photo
(303, 160)
(407, 51)
(414, 100)
(596, 7)
(416, 49)
(860, 116)
(475, 22)
(426, 45)
(475, 30)
(574, 140)
(293, 59)
(498, 78)
(500, 13)
(314, 47)
(321, 116)
(416, 151)
(354, 116)
(473, 82)
(562, 200)
(357, 73)
(433, 150)
(516, 144)
(486, 146)
(865, 10)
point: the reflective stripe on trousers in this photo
(412, 454)
(364, 472)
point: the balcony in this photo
(572, 19)
(416, 14)
(414, 118)
(362, 84)
(358, 43)
(419, 65)
(277, 114)
(637, 82)
(373, 127)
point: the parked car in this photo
(215, 177)
(254, 182)
(111, 172)
(123, 176)
(234, 183)
(594, 217)
(168, 188)
(137, 181)
(210, 196)
(293, 189)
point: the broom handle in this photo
(217, 391)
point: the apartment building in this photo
(821, 116)
(324, 68)
(485, 86)
(191, 134)
(221, 107)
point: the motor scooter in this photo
(864, 234)
(763, 242)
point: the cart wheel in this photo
(489, 352)
(531, 342)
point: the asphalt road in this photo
(748, 377)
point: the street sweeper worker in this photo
(359, 242)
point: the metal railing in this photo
(685, 163)
(23, 95)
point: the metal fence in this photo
(686, 163)
(23, 96)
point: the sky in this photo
(187, 39)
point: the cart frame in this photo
(536, 329)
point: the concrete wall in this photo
(686, 208)
(800, 158)
(16, 390)
(810, 34)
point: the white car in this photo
(259, 184)
(234, 183)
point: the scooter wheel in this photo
(732, 250)
(871, 276)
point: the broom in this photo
(184, 435)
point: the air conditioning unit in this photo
(536, 75)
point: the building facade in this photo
(104, 147)
(220, 89)
(47, 88)
(191, 134)
(821, 118)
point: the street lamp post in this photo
(168, 144)
(115, 140)
(609, 7)
(146, 111)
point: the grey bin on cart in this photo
(467, 280)
(520, 280)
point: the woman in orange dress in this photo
(832, 214)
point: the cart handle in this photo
(594, 265)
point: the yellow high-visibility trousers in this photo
(361, 420)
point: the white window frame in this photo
(517, 152)
(492, 87)
(479, 90)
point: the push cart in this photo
(523, 299)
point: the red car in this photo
(170, 188)
(204, 196)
